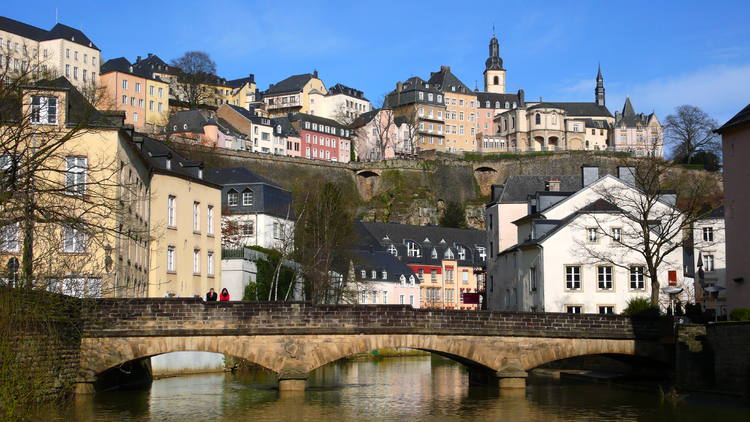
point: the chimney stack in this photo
(252, 78)
(150, 55)
(589, 174)
(626, 174)
(138, 59)
(445, 68)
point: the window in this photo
(384, 276)
(161, 91)
(171, 202)
(232, 199)
(604, 276)
(210, 263)
(276, 230)
(210, 220)
(363, 297)
(420, 274)
(43, 110)
(434, 254)
(448, 254)
(73, 240)
(708, 262)
(385, 297)
(75, 175)
(9, 238)
(151, 105)
(464, 277)
(124, 84)
(124, 99)
(449, 275)
(421, 95)
(606, 309)
(411, 300)
(196, 261)
(137, 87)
(170, 258)
(196, 216)
(412, 249)
(616, 234)
(135, 116)
(433, 276)
(538, 119)
(637, 278)
(708, 234)
(573, 277)
(247, 198)
(461, 252)
(591, 235)
(449, 295)
(248, 228)
(151, 90)
(373, 274)
(401, 299)
(573, 309)
(392, 250)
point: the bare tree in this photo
(652, 224)
(409, 118)
(690, 130)
(196, 72)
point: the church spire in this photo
(599, 90)
(494, 62)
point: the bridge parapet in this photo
(186, 317)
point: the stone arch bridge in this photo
(294, 339)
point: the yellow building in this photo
(90, 228)
(461, 110)
(420, 109)
(292, 95)
(185, 221)
(244, 92)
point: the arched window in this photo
(538, 119)
(512, 122)
(448, 254)
(487, 104)
(507, 104)
(434, 254)
(505, 124)
(496, 80)
(497, 104)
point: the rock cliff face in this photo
(410, 191)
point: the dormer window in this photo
(232, 198)
(247, 198)
(374, 274)
(448, 254)
(392, 250)
(43, 110)
(385, 275)
(200, 173)
(461, 253)
(184, 126)
(412, 249)
(364, 274)
(434, 254)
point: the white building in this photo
(61, 51)
(381, 278)
(255, 211)
(340, 103)
(710, 262)
(574, 251)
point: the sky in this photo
(662, 54)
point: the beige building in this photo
(96, 195)
(293, 94)
(341, 103)
(185, 218)
(461, 110)
(735, 135)
(61, 51)
(419, 111)
(144, 99)
(641, 134)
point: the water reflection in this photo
(398, 389)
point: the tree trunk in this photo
(654, 289)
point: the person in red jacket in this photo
(224, 296)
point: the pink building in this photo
(381, 278)
(321, 138)
(380, 126)
(735, 136)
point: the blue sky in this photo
(662, 54)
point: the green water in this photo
(394, 389)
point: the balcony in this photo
(279, 104)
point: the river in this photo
(391, 389)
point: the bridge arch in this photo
(486, 176)
(367, 182)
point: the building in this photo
(292, 95)
(576, 251)
(449, 262)
(381, 135)
(641, 134)
(203, 127)
(61, 51)
(284, 132)
(143, 96)
(258, 130)
(92, 191)
(461, 110)
(185, 219)
(321, 138)
(341, 103)
(420, 109)
(254, 210)
(245, 93)
(381, 278)
(709, 252)
(735, 138)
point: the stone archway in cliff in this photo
(486, 176)
(367, 183)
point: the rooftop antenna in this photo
(493, 29)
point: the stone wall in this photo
(182, 316)
(730, 344)
(408, 191)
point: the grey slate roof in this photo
(575, 109)
(238, 83)
(629, 118)
(268, 197)
(408, 93)
(380, 261)
(365, 118)
(236, 175)
(156, 153)
(152, 63)
(286, 126)
(739, 119)
(446, 80)
(428, 237)
(59, 31)
(123, 65)
(596, 124)
(517, 188)
(492, 97)
(194, 119)
(294, 83)
(345, 90)
(716, 213)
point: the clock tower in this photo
(494, 74)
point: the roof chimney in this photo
(252, 78)
(445, 68)
(399, 86)
(150, 55)
(138, 59)
(626, 174)
(589, 174)
(315, 74)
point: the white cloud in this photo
(721, 91)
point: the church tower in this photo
(599, 91)
(494, 74)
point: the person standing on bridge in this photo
(224, 296)
(211, 295)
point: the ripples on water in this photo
(397, 389)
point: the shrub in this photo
(641, 307)
(740, 314)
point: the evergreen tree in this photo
(454, 216)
